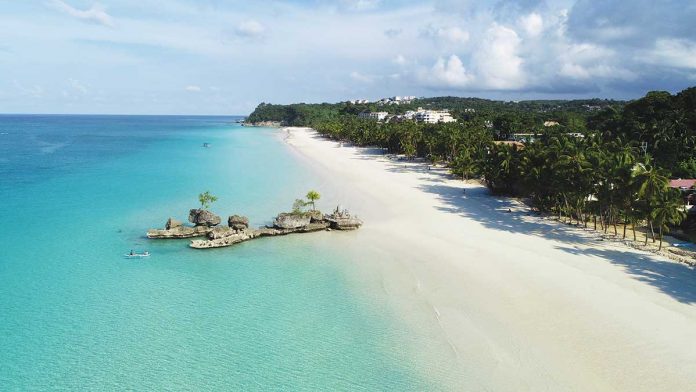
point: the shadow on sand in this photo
(499, 213)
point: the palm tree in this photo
(651, 183)
(669, 210)
(313, 196)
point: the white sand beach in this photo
(507, 301)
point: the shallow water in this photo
(79, 191)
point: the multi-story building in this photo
(378, 116)
(433, 116)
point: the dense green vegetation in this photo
(206, 199)
(508, 117)
(616, 171)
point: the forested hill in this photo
(525, 114)
(662, 124)
(620, 153)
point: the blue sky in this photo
(224, 57)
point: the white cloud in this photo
(678, 53)
(34, 91)
(192, 89)
(250, 29)
(400, 59)
(360, 5)
(360, 77)
(497, 59)
(393, 33)
(533, 24)
(77, 86)
(95, 14)
(454, 35)
(447, 73)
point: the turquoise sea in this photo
(78, 192)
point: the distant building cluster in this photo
(531, 137)
(359, 101)
(377, 116)
(433, 116)
(592, 107)
(420, 115)
(396, 100)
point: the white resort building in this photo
(378, 116)
(397, 100)
(433, 116)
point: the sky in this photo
(225, 57)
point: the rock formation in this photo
(343, 220)
(238, 222)
(223, 236)
(201, 217)
(291, 220)
(173, 223)
(178, 232)
(237, 229)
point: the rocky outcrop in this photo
(343, 220)
(315, 216)
(238, 222)
(237, 229)
(291, 220)
(178, 232)
(173, 224)
(224, 236)
(201, 217)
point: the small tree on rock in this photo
(297, 206)
(206, 199)
(313, 196)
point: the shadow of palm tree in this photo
(504, 214)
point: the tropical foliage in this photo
(606, 167)
(206, 199)
(313, 196)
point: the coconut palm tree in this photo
(651, 183)
(669, 210)
(313, 196)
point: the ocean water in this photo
(77, 192)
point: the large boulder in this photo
(291, 221)
(315, 216)
(178, 232)
(341, 219)
(351, 223)
(173, 223)
(238, 222)
(220, 232)
(201, 217)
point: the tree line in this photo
(613, 169)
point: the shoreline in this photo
(511, 301)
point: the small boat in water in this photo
(206, 145)
(133, 255)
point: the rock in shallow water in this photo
(291, 221)
(238, 222)
(201, 217)
(343, 220)
(173, 223)
(178, 232)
